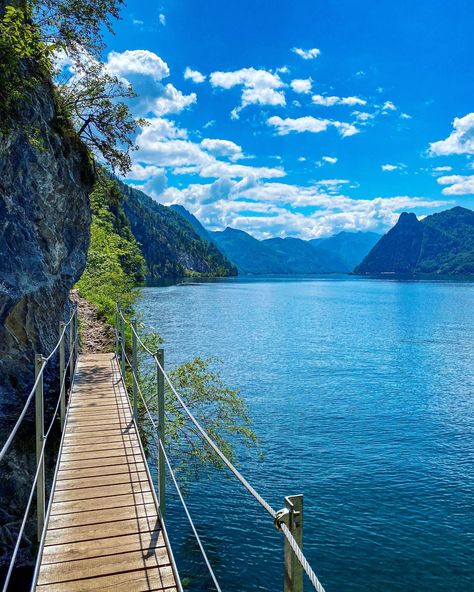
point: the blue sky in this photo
(301, 118)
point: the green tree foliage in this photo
(24, 61)
(32, 32)
(219, 409)
(114, 261)
(114, 265)
(92, 100)
(170, 245)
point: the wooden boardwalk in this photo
(104, 530)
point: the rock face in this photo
(45, 180)
(441, 244)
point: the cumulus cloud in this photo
(310, 124)
(307, 54)
(388, 106)
(301, 85)
(457, 184)
(330, 101)
(329, 159)
(363, 116)
(194, 75)
(222, 148)
(442, 169)
(260, 87)
(145, 71)
(162, 19)
(137, 61)
(390, 167)
(170, 100)
(269, 208)
(460, 141)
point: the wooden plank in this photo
(132, 581)
(96, 503)
(102, 547)
(103, 516)
(103, 471)
(104, 530)
(91, 532)
(98, 492)
(101, 566)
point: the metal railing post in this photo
(293, 568)
(71, 350)
(76, 334)
(160, 388)
(134, 367)
(117, 332)
(39, 432)
(62, 375)
(123, 367)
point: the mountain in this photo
(350, 248)
(301, 257)
(191, 218)
(440, 244)
(169, 242)
(251, 256)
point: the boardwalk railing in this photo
(288, 520)
(68, 334)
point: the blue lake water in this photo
(362, 393)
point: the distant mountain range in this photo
(339, 253)
(439, 245)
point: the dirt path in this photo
(96, 336)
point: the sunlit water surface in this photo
(361, 392)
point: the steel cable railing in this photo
(38, 484)
(123, 353)
(278, 517)
(39, 377)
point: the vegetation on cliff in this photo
(114, 261)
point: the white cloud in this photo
(171, 100)
(219, 169)
(260, 87)
(458, 184)
(194, 75)
(300, 85)
(310, 124)
(405, 116)
(363, 115)
(222, 148)
(141, 172)
(388, 106)
(137, 22)
(442, 169)
(307, 54)
(329, 159)
(145, 71)
(330, 101)
(273, 207)
(162, 18)
(390, 167)
(460, 141)
(137, 61)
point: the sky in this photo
(304, 117)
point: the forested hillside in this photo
(440, 244)
(169, 243)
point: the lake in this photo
(362, 394)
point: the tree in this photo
(92, 99)
(32, 32)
